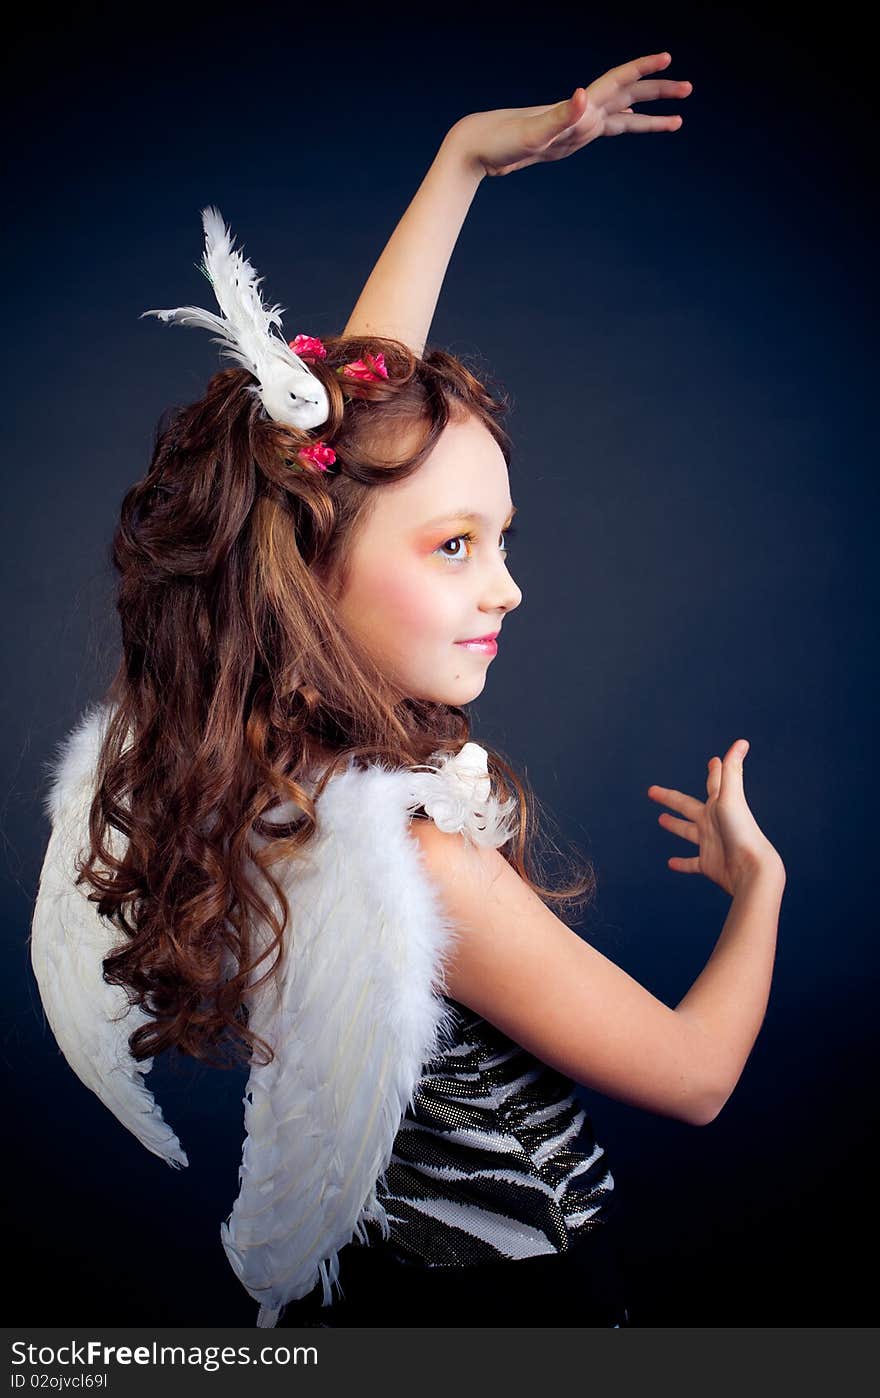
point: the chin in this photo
(460, 688)
(457, 692)
(461, 691)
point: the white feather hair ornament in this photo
(290, 392)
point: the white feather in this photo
(290, 392)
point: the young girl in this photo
(313, 579)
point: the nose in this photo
(501, 592)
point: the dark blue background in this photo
(684, 322)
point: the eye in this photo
(470, 538)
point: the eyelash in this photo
(471, 538)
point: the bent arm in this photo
(520, 967)
(401, 294)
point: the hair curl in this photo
(235, 666)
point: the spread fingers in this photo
(685, 828)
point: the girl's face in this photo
(415, 586)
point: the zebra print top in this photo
(495, 1159)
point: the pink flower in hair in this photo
(308, 344)
(319, 456)
(357, 369)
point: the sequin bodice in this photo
(494, 1160)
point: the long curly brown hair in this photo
(236, 670)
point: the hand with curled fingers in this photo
(512, 137)
(731, 844)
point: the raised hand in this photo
(731, 844)
(512, 137)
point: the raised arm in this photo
(401, 295)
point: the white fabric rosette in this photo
(462, 801)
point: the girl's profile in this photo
(275, 842)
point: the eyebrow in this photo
(465, 514)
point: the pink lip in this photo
(485, 645)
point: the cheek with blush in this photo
(403, 603)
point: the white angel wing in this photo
(357, 1014)
(353, 1013)
(90, 1019)
(289, 390)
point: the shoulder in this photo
(448, 855)
(504, 927)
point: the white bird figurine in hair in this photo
(290, 392)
